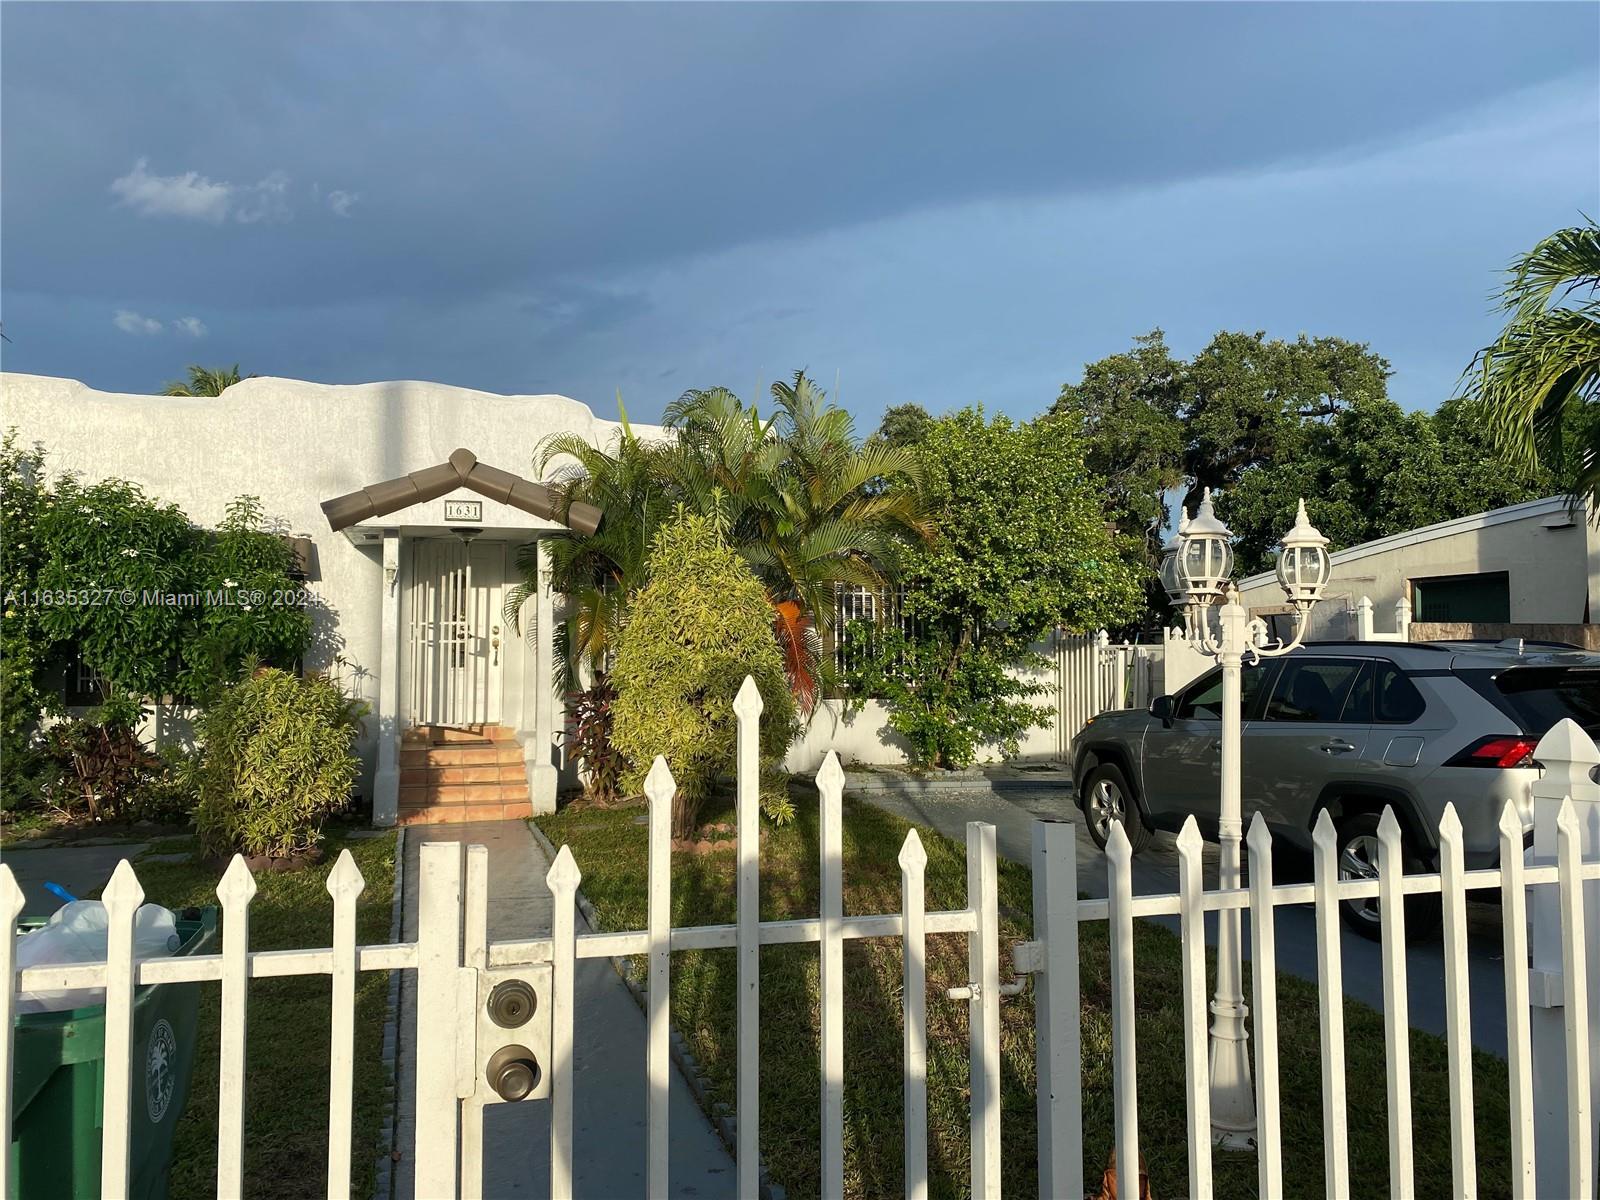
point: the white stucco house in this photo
(1529, 570)
(416, 499)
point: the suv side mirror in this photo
(1163, 708)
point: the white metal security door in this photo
(456, 644)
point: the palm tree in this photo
(807, 506)
(1537, 379)
(205, 381)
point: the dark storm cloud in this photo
(486, 190)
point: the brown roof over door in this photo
(461, 470)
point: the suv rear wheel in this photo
(1358, 859)
(1108, 800)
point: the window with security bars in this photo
(875, 608)
(1484, 597)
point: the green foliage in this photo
(1538, 383)
(1371, 471)
(695, 630)
(1125, 413)
(107, 548)
(903, 425)
(204, 381)
(104, 576)
(1023, 547)
(947, 700)
(25, 649)
(277, 762)
(249, 569)
(1264, 422)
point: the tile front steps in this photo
(452, 775)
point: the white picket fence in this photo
(1547, 1009)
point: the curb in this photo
(383, 1182)
(721, 1117)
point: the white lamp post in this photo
(1195, 571)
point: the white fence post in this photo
(830, 789)
(438, 967)
(659, 788)
(1058, 1041)
(913, 864)
(1364, 624)
(747, 706)
(1402, 619)
(983, 967)
(1569, 758)
(237, 889)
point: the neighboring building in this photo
(1529, 570)
(413, 502)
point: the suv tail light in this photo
(1497, 750)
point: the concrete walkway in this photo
(608, 1067)
(1155, 872)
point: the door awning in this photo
(462, 469)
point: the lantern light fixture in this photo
(1303, 562)
(1205, 557)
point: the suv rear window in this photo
(1539, 697)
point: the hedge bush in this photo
(276, 763)
(698, 626)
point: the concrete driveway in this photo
(1156, 872)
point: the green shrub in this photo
(700, 624)
(276, 762)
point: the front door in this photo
(456, 643)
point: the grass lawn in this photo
(610, 849)
(286, 1090)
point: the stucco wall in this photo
(295, 444)
(1551, 562)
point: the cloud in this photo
(190, 195)
(341, 202)
(194, 197)
(193, 326)
(134, 323)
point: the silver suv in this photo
(1348, 727)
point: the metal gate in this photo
(454, 645)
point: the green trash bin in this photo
(59, 1076)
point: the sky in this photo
(940, 203)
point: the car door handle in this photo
(1336, 746)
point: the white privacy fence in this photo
(495, 1020)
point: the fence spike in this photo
(830, 774)
(913, 856)
(1258, 837)
(564, 873)
(237, 886)
(345, 879)
(124, 893)
(659, 784)
(748, 705)
(1189, 839)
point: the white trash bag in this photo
(76, 933)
